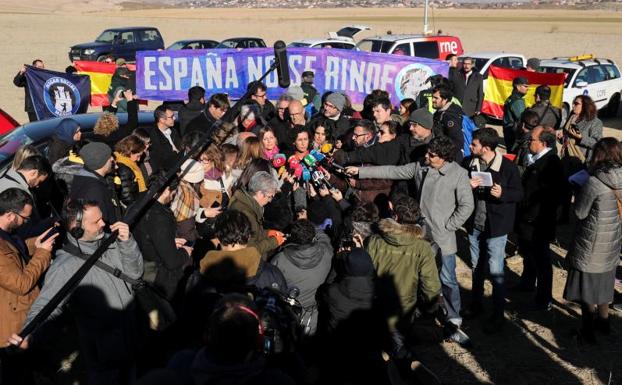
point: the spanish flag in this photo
(101, 76)
(499, 88)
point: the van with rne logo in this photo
(427, 46)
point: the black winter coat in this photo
(188, 112)
(500, 212)
(161, 152)
(449, 123)
(89, 185)
(344, 297)
(543, 184)
(339, 127)
(155, 235)
(203, 122)
(128, 189)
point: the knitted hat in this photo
(422, 117)
(358, 264)
(337, 100)
(95, 155)
(192, 171)
(295, 92)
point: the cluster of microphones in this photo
(311, 168)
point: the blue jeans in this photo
(488, 254)
(450, 288)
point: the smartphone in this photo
(50, 234)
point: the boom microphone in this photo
(280, 59)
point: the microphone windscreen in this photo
(282, 67)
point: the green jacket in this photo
(513, 109)
(400, 254)
(247, 205)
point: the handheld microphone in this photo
(278, 160)
(309, 160)
(306, 174)
(282, 67)
(326, 148)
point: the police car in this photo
(342, 39)
(588, 75)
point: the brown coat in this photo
(18, 285)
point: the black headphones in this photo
(77, 231)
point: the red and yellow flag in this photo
(499, 88)
(101, 76)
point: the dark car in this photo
(118, 43)
(193, 44)
(242, 42)
(38, 133)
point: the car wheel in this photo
(613, 106)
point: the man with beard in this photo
(444, 192)
(102, 304)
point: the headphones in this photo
(78, 205)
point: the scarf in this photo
(124, 160)
(269, 154)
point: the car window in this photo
(252, 44)
(193, 45)
(298, 45)
(107, 37)
(560, 70)
(228, 44)
(427, 49)
(611, 71)
(515, 62)
(127, 37)
(402, 49)
(209, 44)
(375, 45)
(591, 75)
(148, 35)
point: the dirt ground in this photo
(535, 348)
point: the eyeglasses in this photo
(269, 196)
(432, 155)
(260, 96)
(355, 135)
(25, 219)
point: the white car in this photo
(587, 75)
(483, 61)
(342, 39)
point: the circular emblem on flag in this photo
(61, 96)
(411, 80)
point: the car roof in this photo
(394, 38)
(242, 38)
(191, 40)
(128, 28)
(490, 55)
(564, 62)
(329, 40)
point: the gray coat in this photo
(591, 132)
(12, 179)
(445, 197)
(597, 239)
(117, 293)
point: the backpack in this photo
(468, 126)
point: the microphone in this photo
(326, 148)
(278, 160)
(282, 67)
(309, 160)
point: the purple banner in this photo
(167, 75)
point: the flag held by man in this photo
(55, 94)
(101, 77)
(499, 88)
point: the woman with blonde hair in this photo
(22, 153)
(131, 181)
(268, 141)
(249, 150)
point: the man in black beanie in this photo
(91, 183)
